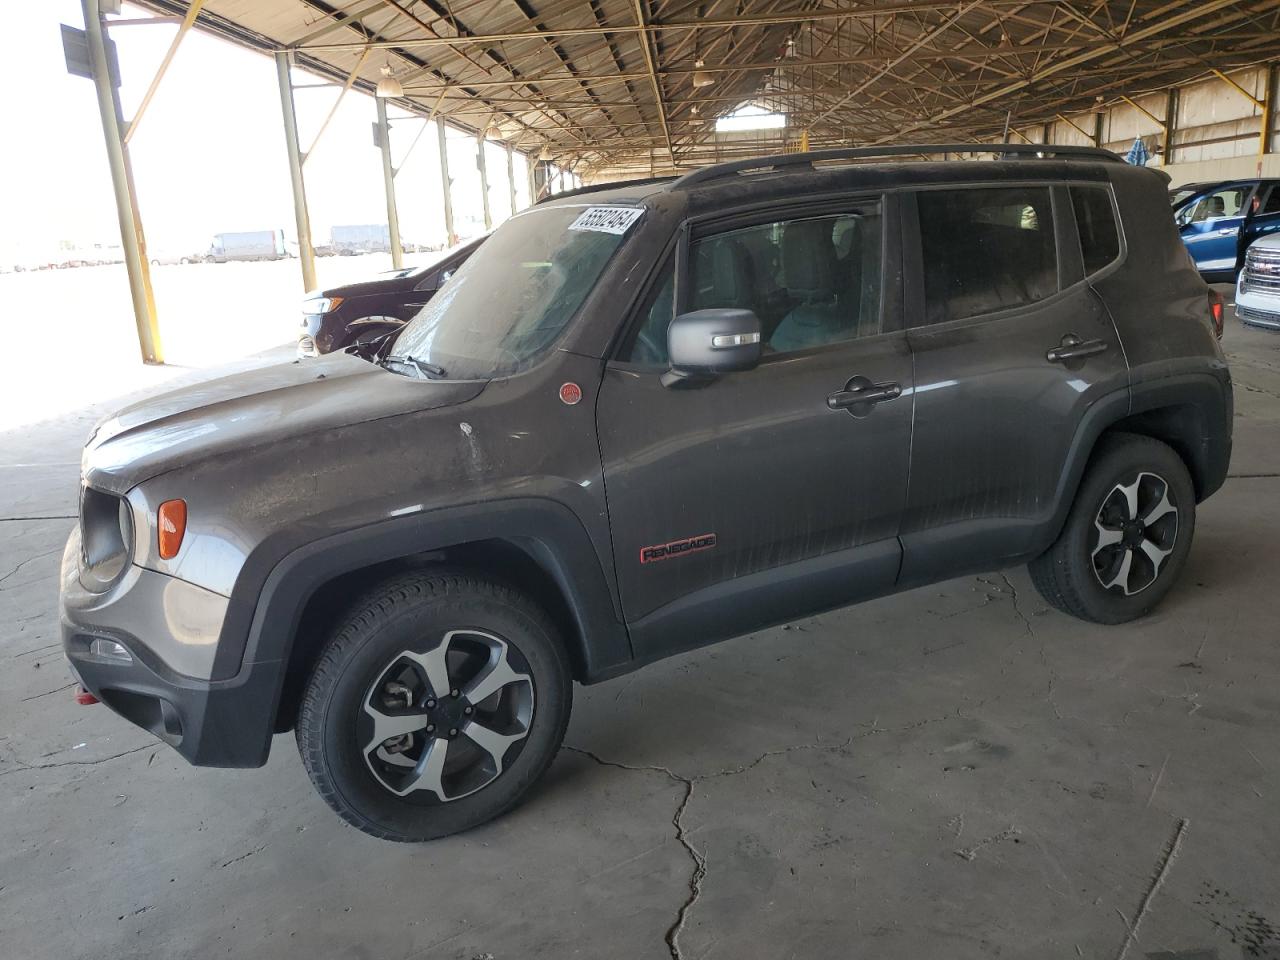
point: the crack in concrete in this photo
(26, 767)
(56, 516)
(672, 937)
(1166, 861)
(699, 859)
(243, 856)
(37, 696)
(38, 556)
(1013, 595)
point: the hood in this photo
(250, 409)
(391, 282)
(1270, 242)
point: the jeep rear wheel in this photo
(434, 707)
(1127, 536)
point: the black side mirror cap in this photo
(706, 343)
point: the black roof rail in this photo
(781, 161)
(597, 187)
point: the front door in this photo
(759, 497)
(1210, 227)
(1011, 347)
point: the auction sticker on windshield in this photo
(616, 220)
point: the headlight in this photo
(106, 531)
(320, 304)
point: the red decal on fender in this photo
(677, 548)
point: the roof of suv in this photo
(776, 167)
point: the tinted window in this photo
(986, 249)
(1273, 201)
(1096, 222)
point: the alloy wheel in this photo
(440, 725)
(1134, 533)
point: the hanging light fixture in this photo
(544, 154)
(388, 86)
(493, 131)
(1098, 105)
(701, 78)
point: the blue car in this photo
(1218, 221)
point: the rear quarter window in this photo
(1096, 224)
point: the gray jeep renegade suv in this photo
(639, 420)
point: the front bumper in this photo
(218, 723)
(1257, 309)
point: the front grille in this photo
(1258, 317)
(1261, 271)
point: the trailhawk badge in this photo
(677, 548)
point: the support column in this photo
(1098, 120)
(511, 176)
(1170, 123)
(132, 242)
(1268, 115)
(306, 255)
(484, 181)
(389, 185)
(451, 237)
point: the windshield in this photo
(511, 300)
(1177, 196)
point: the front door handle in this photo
(860, 394)
(1073, 348)
(1226, 231)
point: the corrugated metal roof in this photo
(637, 84)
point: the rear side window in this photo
(986, 250)
(1096, 222)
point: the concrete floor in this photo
(956, 772)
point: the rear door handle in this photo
(860, 393)
(1073, 348)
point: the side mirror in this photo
(705, 343)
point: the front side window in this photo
(1228, 202)
(510, 301)
(986, 249)
(811, 282)
(1096, 223)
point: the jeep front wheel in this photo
(434, 707)
(1127, 535)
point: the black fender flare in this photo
(1208, 444)
(262, 622)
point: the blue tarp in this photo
(1138, 154)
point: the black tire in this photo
(1070, 575)
(417, 613)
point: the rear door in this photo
(1210, 226)
(750, 499)
(1011, 347)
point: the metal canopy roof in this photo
(612, 82)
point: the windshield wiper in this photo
(430, 371)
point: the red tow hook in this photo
(85, 698)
